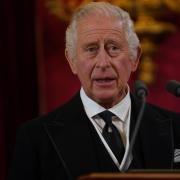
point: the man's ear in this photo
(71, 61)
(136, 61)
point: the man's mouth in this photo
(104, 81)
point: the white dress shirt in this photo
(122, 122)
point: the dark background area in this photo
(18, 80)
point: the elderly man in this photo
(92, 132)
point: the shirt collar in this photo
(92, 108)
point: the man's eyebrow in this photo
(113, 41)
(105, 29)
(95, 43)
(110, 41)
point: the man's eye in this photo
(113, 50)
(91, 49)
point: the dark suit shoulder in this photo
(69, 109)
(165, 112)
(153, 111)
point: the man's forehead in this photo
(97, 23)
(101, 31)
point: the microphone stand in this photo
(141, 94)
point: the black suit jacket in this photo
(64, 145)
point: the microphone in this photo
(173, 87)
(141, 92)
(140, 89)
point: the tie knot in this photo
(106, 116)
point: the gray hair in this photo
(106, 9)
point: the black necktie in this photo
(112, 135)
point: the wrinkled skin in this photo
(102, 61)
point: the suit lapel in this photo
(72, 136)
(154, 144)
(157, 141)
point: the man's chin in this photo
(106, 101)
(105, 94)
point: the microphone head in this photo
(140, 89)
(173, 87)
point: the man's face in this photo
(102, 62)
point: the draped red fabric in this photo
(18, 80)
(3, 154)
(57, 83)
(168, 65)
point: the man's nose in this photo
(103, 59)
